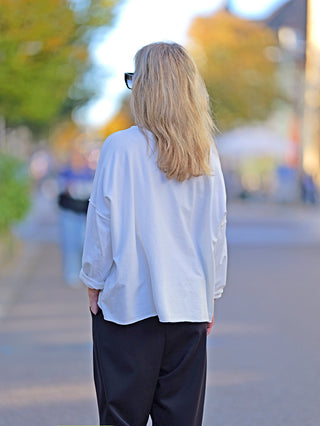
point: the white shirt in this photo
(153, 246)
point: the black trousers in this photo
(152, 368)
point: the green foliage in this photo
(241, 80)
(44, 56)
(15, 191)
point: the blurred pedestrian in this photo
(155, 249)
(75, 181)
(308, 189)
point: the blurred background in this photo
(62, 93)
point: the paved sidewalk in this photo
(270, 224)
(45, 349)
(263, 367)
(265, 213)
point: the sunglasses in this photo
(128, 78)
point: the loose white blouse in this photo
(153, 246)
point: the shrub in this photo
(15, 191)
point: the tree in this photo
(120, 121)
(44, 56)
(241, 80)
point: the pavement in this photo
(45, 349)
(263, 354)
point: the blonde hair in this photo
(169, 98)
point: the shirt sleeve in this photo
(221, 256)
(97, 255)
(220, 245)
(97, 251)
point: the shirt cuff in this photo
(218, 293)
(90, 282)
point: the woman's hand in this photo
(93, 300)
(210, 325)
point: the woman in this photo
(155, 250)
(75, 181)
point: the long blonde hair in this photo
(169, 98)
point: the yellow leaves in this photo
(63, 137)
(54, 43)
(225, 37)
(226, 28)
(80, 53)
(120, 121)
(230, 54)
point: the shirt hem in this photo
(150, 315)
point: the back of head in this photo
(169, 99)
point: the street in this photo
(263, 354)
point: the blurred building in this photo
(293, 15)
(297, 25)
(289, 22)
